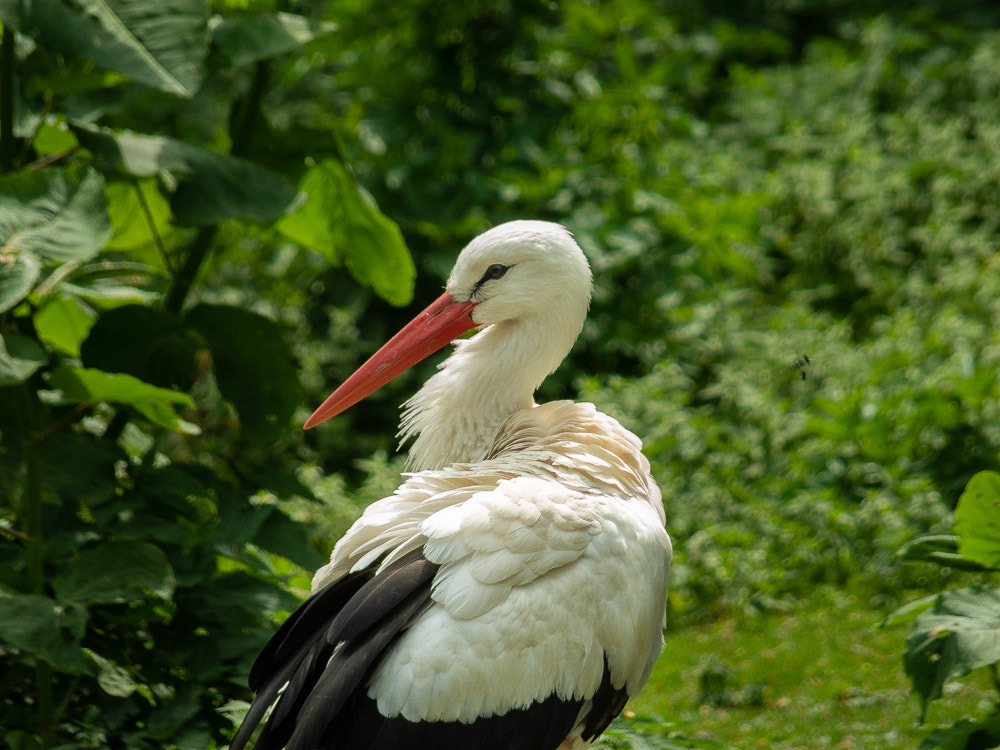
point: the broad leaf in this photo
(54, 138)
(283, 536)
(341, 223)
(139, 214)
(213, 186)
(169, 716)
(20, 358)
(114, 283)
(958, 634)
(248, 39)
(44, 212)
(114, 572)
(977, 520)
(113, 679)
(240, 591)
(161, 43)
(909, 611)
(94, 386)
(63, 324)
(77, 466)
(253, 367)
(145, 342)
(18, 273)
(45, 628)
(941, 549)
(962, 734)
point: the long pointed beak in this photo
(442, 321)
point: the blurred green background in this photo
(210, 214)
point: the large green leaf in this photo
(45, 628)
(247, 39)
(18, 273)
(77, 466)
(285, 536)
(114, 572)
(909, 611)
(977, 520)
(139, 214)
(113, 679)
(44, 212)
(965, 735)
(63, 324)
(241, 592)
(20, 358)
(958, 634)
(941, 549)
(161, 43)
(114, 283)
(148, 343)
(213, 186)
(343, 224)
(253, 367)
(94, 386)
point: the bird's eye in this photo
(494, 272)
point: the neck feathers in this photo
(455, 417)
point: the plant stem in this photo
(31, 512)
(7, 100)
(34, 556)
(197, 252)
(34, 533)
(243, 117)
(151, 223)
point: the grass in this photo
(820, 677)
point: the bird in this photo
(510, 594)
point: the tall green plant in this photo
(144, 549)
(958, 630)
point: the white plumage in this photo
(527, 556)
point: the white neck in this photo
(459, 410)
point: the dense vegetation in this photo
(208, 215)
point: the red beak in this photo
(443, 321)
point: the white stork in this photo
(510, 593)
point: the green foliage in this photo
(159, 44)
(955, 636)
(147, 473)
(50, 214)
(958, 630)
(977, 520)
(345, 226)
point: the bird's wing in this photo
(540, 589)
(505, 537)
(325, 650)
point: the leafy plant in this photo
(958, 630)
(145, 545)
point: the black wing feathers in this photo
(541, 726)
(327, 648)
(346, 673)
(312, 615)
(605, 705)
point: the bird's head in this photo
(515, 271)
(521, 269)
